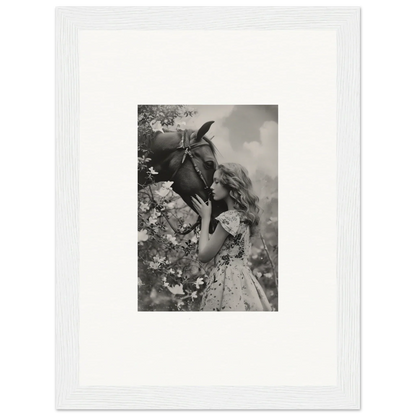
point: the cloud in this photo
(264, 153)
(254, 155)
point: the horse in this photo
(188, 159)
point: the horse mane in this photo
(212, 146)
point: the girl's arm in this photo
(209, 246)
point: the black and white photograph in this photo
(208, 208)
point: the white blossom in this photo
(144, 207)
(153, 265)
(176, 290)
(167, 184)
(162, 192)
(171, 239)
(142, 235)
(158, 259)
(155, 213)
(152, 221)
(199, 281)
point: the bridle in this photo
(186, 145)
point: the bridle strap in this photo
(187, 147)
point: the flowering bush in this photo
(170, 275)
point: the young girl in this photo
(231, 285)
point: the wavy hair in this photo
(234, 177)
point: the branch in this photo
(276, 279)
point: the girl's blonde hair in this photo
(234, 177)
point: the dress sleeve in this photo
(230, 221)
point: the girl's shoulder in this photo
(230, 220)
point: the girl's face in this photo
(219, 192)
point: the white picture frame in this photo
(78, 48)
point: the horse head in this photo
(187, 158)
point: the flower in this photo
(180, 304)
(158, 259)
(142, 235)
(199, 281)
(152, 171)
(267, 275)
(171, 239)
(179, 272)
(258, 274)
(155, 213)
(153, 265)
(176, 290)
(167, 184)
(144, 207)
(162, 192)
(152, 221)
(156, 125)
(194, 295)
(194, 239)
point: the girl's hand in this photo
(202, 208)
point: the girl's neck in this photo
(230, 203)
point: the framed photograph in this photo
(207, 160)
(183, 169)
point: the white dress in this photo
(231, 285)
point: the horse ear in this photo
(203, 130)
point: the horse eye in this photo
(209, 164)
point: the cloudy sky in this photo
(245, 134)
